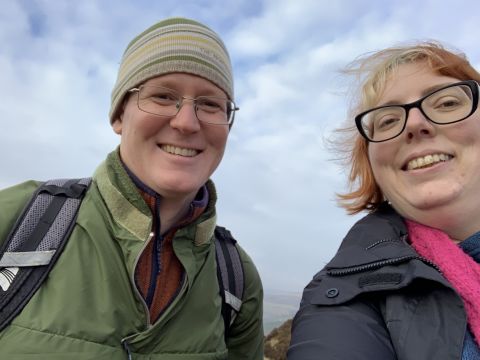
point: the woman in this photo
(405, 283)
(138, 277)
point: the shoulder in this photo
(252, 277)
(343, 298)
(250, 272)
(12, 202)
(252, 302)
(19, 192)
(377, 236)
(252, 284)
(13, 199)
(246, 334)
(385, 223)
(374, 255)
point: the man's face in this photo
(173, 155)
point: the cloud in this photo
(277, 182)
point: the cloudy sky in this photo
(276, 184)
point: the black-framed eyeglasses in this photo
(163, 101)
(450, 104)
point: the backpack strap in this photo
(36, 241)
(230, 275)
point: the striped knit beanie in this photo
(173, 45)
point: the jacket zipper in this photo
(379, 264)
(124, 341)
(127, 349)
(132, 279)
(155, 269)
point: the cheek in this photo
(380, 162)
(218, 145)
(217, 138)
(373, 158)
(465, 132)
(380, 155)
(143, 127)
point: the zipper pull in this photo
(127, 349)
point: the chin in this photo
(180, 189)
(442, 215)
(438, 199)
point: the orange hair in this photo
(372, 72)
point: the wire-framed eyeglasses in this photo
(447, 105)
(163, 101)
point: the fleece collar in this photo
(130, 211)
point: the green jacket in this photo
(89, 307)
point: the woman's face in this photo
(443, 194)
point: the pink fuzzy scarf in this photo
(458, 268)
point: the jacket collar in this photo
(130, 211)
(378, 236)
(374, 256)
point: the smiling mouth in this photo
(427, 161)
(175, 150)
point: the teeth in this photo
(179, 151)
(427, 160)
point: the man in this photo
(138, 276)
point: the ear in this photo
(118, 122)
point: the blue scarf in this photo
(471, 246)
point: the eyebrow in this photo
(424, 92)
(205, 90)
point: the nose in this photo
(186, 120)
(418, 126)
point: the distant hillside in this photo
(276, 343)
(278, 306)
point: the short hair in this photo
(372, 71)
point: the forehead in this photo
(186, 83)
(411, 81)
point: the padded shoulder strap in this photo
(36, 241)
(230, 274)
